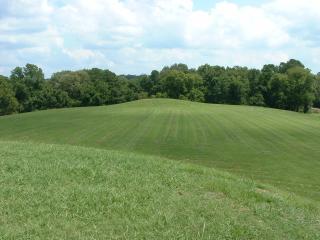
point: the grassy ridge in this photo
(272, 146)
(66, 192)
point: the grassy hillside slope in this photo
(272, 146)
(69, 192)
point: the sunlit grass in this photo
(273, 146)
(66, 192)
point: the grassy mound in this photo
(273, 146)
(66, 192)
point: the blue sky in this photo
(137, 36)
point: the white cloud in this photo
(231, 26)
(85, 17)
(81, 54)
(138, 35)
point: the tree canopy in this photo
(8, 102)
(288, 86)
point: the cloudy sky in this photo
(136, 36)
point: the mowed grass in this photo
(272, 146)
(69, 192)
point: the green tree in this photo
(216, 83)
(27, 82)
(300, 89)
(33, 77)
(196, 95)
(292, 63)
(51, 97)
(265, 79)
(287, 86)
(8, 102)
(239, 85)
(255, 88)
(146, 83)
(180, 67)
(236, 94)
(278, 91)
(176, 82)
(173, 83)
(76, 84)
(155, 79)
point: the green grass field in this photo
(69, 192)
(271, 146)
(160, 169)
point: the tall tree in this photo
(300, 89)
(256, 88)
(292, 63)
(278, 91)
(288, 86)
(267, 73)
(173, 83)
(8, 102)
(27, 82)
(216, 83)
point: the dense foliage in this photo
(288, 86)
(8, 102)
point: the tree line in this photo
(289, 86)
